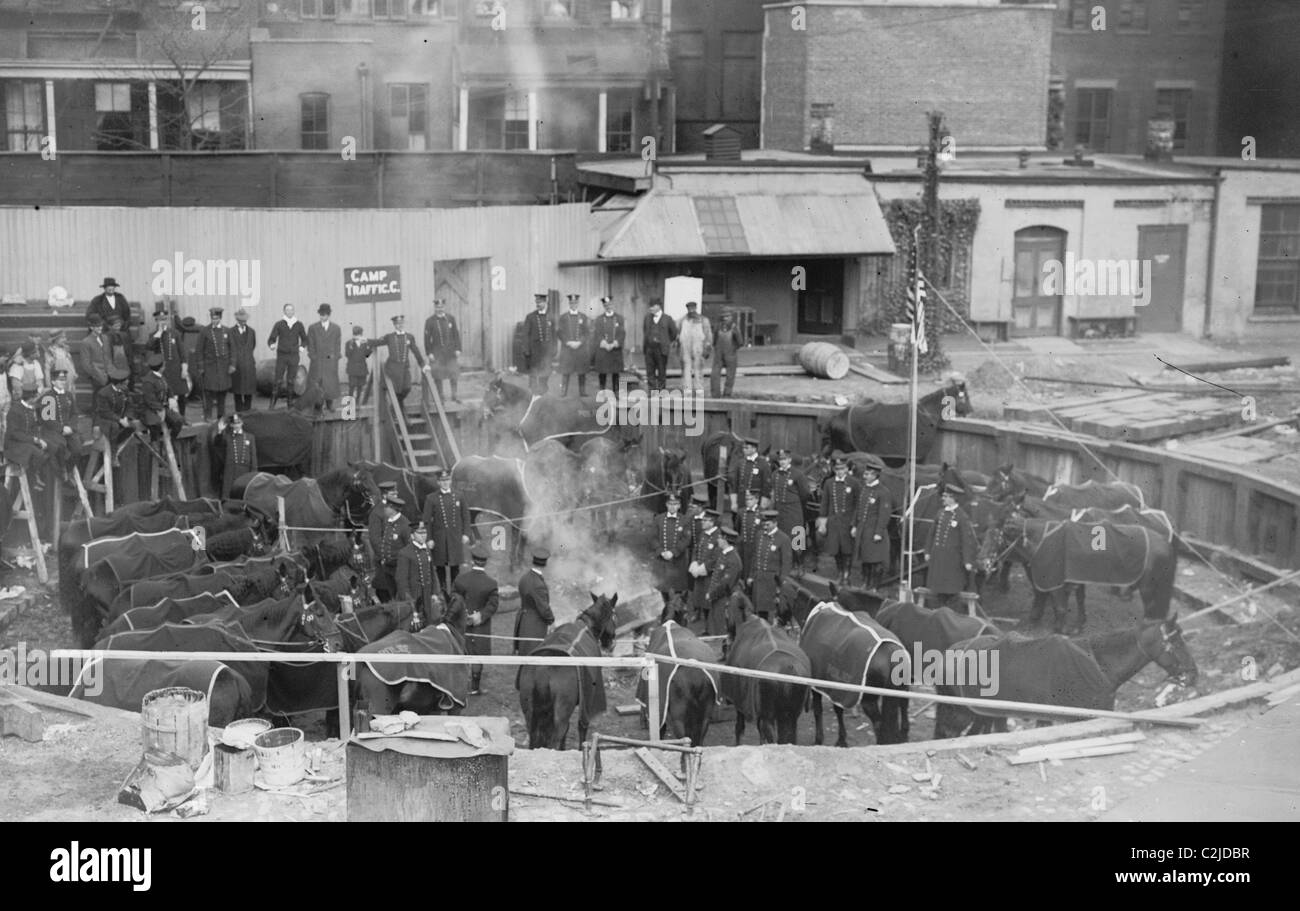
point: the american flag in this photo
(916, 294)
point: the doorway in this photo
(820, 305)
(1165, 247)
(1033, 311)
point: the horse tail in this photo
(541, 727)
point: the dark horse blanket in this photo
(677, 642)
(137, 547)
(1051, 670)
(1111, 495)
(575, 640)
(933, 629)
(169, 610)
(760, 646)
(304, 504)
(450, 679)
(126, 683)
(1096, 554)
(840, 645)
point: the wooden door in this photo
(1033, 311)
(1165, 247)
(820, 305)
(463, 284)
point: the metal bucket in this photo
(281, 756)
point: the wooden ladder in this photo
(27, 510)
(99, 475)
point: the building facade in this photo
(1259, 100)
(716, 55)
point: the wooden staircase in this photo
(425, 442)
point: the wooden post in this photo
(28, 511)
(57, 510)
(722, 482)
(172, 464)
(652, 699)
(284, 524)
(345, 709)
(374, 396)
(389, 786)
(83, 496)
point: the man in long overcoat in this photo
(772, 562)
(574, 330)
(243, 354)
(722, 582)
(165, 340)
(324, 345)
(839, 504)
(787, 491)
(535, 617)
(672, 548)
(442, 347)
(215, 364)
(608, 336)
(416, 580)
(446, 516)
(539, 345)
(481, 602)
(397, 366)
(950, 549)
(871, 523)
(241, 453)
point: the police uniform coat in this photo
(574, 327)
(416, 581)
(722, 582)
(673, 535)
(950, 545)
(749, 474)
(22, 431)
(168, 344)
(875, 505)
(750, 526)
(441, 344)
(838, 507)
(214, 359)
(57, 410)
(401, 346)
(539, 342)
(608, 329)
(241, 458)
(534, 618)
(772, 560)
(446, 516)
(704, 549)
(243, 354)
(323, 347)
(787, 491)
(480, 593)
(387, 538)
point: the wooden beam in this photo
(1240, 363)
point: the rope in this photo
(601, 505)
(1080, 443)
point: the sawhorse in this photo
(99, 474)
(27, 510)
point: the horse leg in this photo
(1082, 618)
(817, 718)
(1036, 610)
(740, 725)
(842, 740)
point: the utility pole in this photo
(930, 222)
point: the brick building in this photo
(861, 74)
(716, 55)
(1140, 60)
(1260, 92)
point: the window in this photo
(720, 225)
(557, 9)
(620, 122)
(714, 277)
(1133, 14)
(1080, 13)
(690, 73)
(121, 116)
(23, 116)
(429, 9)
(319, 9)
(203, 107)
(387, 9)
(1277, 275)
(625, 10)
(315, 120)
(409, 116)
(1175, 104)
(1092, 119)
(514, 121)
(1191, 14)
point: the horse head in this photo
(737, 609)
(599, 618)
(955, 386)
(319, 625)
(1162, 642)
(360, 494)
(258, 545)
(289, 577)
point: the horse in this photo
(754, 644)
(232, 544)
(549, 694)
(413, 487)
(715, 472)
(686, 694)
(426, 689)
(605, 481)
(666, 471)
(1057, 554)
(1015, 485)
(882, 428)
(504, 406)
(843, 642)
(245, 585)
(1084, 672)
(493, 490)
(1109, 495)
(340, 497)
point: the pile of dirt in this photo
(995, 384)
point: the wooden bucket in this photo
(266, 373)
(175, 720)
(824, 360)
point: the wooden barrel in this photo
(175, 720)
(266, 373)
(824, 360)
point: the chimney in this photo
(822, 140)
(721, 143)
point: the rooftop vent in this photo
(721, 143)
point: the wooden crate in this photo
(389, 786)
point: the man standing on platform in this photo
(416, 580)
(442, 346)
(722, 582)
(481, 601)
(704, 553)
(610, 334)
(357, 352)
(95, 358)
(241, 454)
(243, 353)
(109, 302)
(389, 533)
(574, 330)
(871, 525)
(787, 491)
(534, 619)
(447, 518)
(288, 338)
(539, 345)
(397, 366)
(839, 504)
(696, 338)
(750, 473)
(673, 543)
(324, 342)
(950, 549)
(215, 367)
(166, 341)
(727, 343)
(658, 335)
(771, 565)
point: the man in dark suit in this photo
(324, 344)
(772, 561)
(535, 617)
(722, 582)
(839, 504)
(658, 335)
(243, 354)
(749, 522)
(574, 330)
(481, 601)
(397, 366)
(787, 491)
(704, 552)
(165, 340)
(24, 444)
(108, 303)
(155, 413)
(539, 345)
(215, 365)
(57, 409)
(447, 517)
(416, 580)
(241, 453)
(389, 533)
(288, 338)
(95, 357)
(871, 525)
(609, 335)
(751, 473)
(950, 549)
(357, 352)
(442, 346)
(112, 409)
(673, 544)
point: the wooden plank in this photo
(1077, 754)
(1225, 451)
(1256, 362)
(665, 776)
(872, 372)
(73, 706)
(1066, 746)
(21, 719)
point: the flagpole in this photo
(915, 278)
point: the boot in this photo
(475, 685)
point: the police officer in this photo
(871, 523)
(416, 580)
(750, 473)
(479, 591)
(950, 549)
(535, 617)
(609, 334)
(442, 346)
(215, 364)
(447, 518)
(722, 581)
(839, 504)
(673, 536)
(389, 533)
(704, 551)
(539, 344)
(750, 523)
(772, 560)
(401, 347)
(57, 409)
(574, 330)
(241, 453)
(787, 491)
